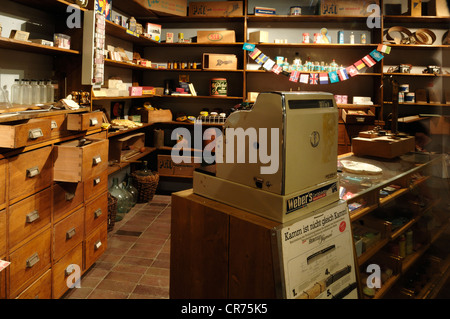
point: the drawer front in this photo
(30, 172)
(74, 163)
(95, 158)
(2, 232)
(2, 183)
(28, 216)
(20, 135)
(95, 186)
(95, 245)
(68, 233)
(40, 289)
(84, 121)
(29, 261)
(58, 125)
(66, 197)
(96, 212)
(68, 268)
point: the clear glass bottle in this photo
(4, 98)
(132, 190)
(16, 94)
(352, 38)
(42, 91)
(118, 194)
(26, 92)
(50, 92)
(35, 92)
(128, 198)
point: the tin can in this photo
(305, 38)
(403, 88)
(316, 37)
(218, 87)
(401, 97)
(296, 11)
(410, 97)
(341, 37)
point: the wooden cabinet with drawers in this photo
(53, 204)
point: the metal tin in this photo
(305, 37)
(403, 88)
(316, 37)
(409, 97)
(218, 87)
(296, 11)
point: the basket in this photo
(146, 186)
(112, 211)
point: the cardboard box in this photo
(153, 31)
(258, 36)
(263, 11)
(216, 9)
(357, 8)
(382, 146)
(165, 7)
(19, 35)
(153, 116)
(135, 90)
(166, 166)
(212, 61)
(123, 148)
(104, 7)
(225, 36)
(438, 8)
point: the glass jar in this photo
(118, 194)
(128, 198)
(132, 190)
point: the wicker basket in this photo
(112, 211)
(146, 186)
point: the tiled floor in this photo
(136, 262)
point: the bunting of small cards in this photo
(322, 77)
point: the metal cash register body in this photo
(305, 177)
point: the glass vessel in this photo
(128, 198)
(144, 171)
(26, 93)
(132, 190)
(118, 193)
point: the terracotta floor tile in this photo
(136, 261)
(142, 253)
(78, 293)
(152, 291)
(118, 286)
(107, 294)
(161, 264)
(157, 281)
(158, 272)
(124, 276)
(130, 268)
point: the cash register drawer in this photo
(75, 162)
(26, 133)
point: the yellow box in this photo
(258, 36)
(225, 36)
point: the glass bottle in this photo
(50, 92)
(128, 198)
(4, 98)
(118, 193)
(35, 92)
(144, 171)
(132, 190)
(26, 92)
(16, 94)
(42, 91)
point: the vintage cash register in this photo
(287, 166)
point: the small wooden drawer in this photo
(67, 268)
(29, 261)
(84, 121)
(58, 125)
(96, 213)
(3, 164)
(28, 216)
(68, 233)
(358, 117)
(95, 186)
(25, 133)
(40, 289)
(95, 244)
(2, 232)
(30, 172)
(76, 163)
(66, 197)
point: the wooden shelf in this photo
(11, 44)
(120, 32)
(203, 97)
(16, 116)
(306, 18)
(116, 133)
(126, 65)
(419, 104)
(418, 46)
(418, 74)
(107, 98)
(317, 45)
(195, 44)
(421, 19)
(49, 5)
(118, 166)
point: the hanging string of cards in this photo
(341, 74)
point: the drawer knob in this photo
(32, 172)
(70, 233)
(97, 160)
(70, 196)
(31, 217)
(53, 125)
(93, 121)
(97, 213)
(97, 181)
(33, 260)
(35, 133)
(97, 245)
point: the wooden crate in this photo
(153, 116)
(166, 166)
